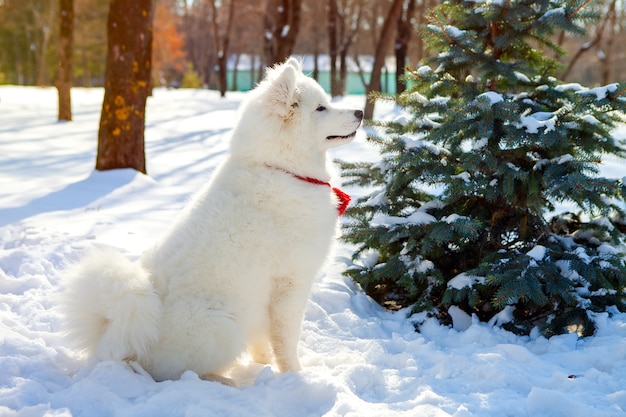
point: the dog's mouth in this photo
(337, 137)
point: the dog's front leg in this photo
(286, 312)
(261, 351)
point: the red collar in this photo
(343, 199)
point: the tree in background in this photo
(281, 27)
(169, 58)
(222, 40)
(313, 34)
(606, 26)
(26, 30)
(198, 39)
(382, 47)
(344, 22)
(64, 75)
(333, 17)
(44, 16)
(404, 33)
(127, 86)
(404, 30)
(515, 227)
(90, 42)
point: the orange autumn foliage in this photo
(168, 53)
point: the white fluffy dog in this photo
(235, 270)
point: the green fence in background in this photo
(246, 80)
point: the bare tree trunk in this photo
(343, 70)
(332, 48)
(198, 39)
(588, 45)
(86, 70)
(282, 24)
(221, 43)
(347, 36)
(253, 72)
(424, 6)
(260, 71)
(316, 65)
(236, 72)
(127, 85)
(342, 29)
(386, 36)
(403, 35)
(606, 58)
(41, 53)
(64, 75)
(361, 72)
(560, 41)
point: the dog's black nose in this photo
(358, 114)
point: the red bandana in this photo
(344, 199)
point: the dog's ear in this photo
(297, 64)
(282, 90)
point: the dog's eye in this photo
(320, 108)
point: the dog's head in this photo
(299, 100)
(292, 115)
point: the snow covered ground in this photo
(358, 359)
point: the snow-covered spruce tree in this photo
(467, 210)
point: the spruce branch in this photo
(579, 8)
(436, 17)
(619, 93)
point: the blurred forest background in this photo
(192, 36)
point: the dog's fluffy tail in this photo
(110, 306)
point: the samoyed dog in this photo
(234, 271)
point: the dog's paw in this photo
(219, 378)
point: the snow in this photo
(570, 87)
(535, 121)
(465, 176)
(440, 101)
(453, 218)
(424, 71)
(451, 31)
(403, 119)
(455, 32)
(358, 359)
(559, 160)
(480, 144)
(463, 280)
(376, 199)
(492, 97)
(418, 98)
(512, 166)
(537, 253)
(564, 159)
(550, 14)
(503, 317)
(417, 217)
(460, 319)
(602, 92)
(427, 121)
(416, 142)
(522, 77)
